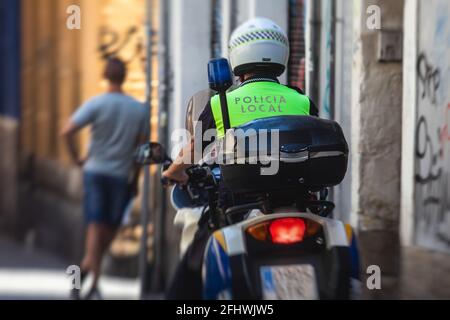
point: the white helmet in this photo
(258, 43)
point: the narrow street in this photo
(309, 109)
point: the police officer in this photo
(258, 54)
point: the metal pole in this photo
(333, 59)
(157, 276)
(312, 50)
(332, 195)
(143, 258)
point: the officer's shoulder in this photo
(233, 88)
(215, 97)
(202, 95)
(199, 101)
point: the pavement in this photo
(425, 274)
(32, 274)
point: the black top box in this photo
(308, 153)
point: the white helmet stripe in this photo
(262, 34)
(258, 42)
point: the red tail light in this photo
(287, 230)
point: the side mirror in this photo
(151, 153)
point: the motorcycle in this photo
(279, 239)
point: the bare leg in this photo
(106, 236)
(98, 239)
(93, 255)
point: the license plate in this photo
(289, 282)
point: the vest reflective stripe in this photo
(259, 100)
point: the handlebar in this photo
(164, 181)
(197, 175)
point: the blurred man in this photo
(118, 123)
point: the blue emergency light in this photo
(220, 79)
(219, 74)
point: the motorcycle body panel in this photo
(238, 267)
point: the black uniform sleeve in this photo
(296, 89)
(313, 110)
(206, 121)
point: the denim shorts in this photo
(105, 198)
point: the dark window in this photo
(296, 34)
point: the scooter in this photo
(279, 239)
(259, 252)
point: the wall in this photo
(276, 10)
(342, 98)
(9, 129)
(70, 63)
(190, 51)
(326, 66)
(9, 109)
(376, 139)
(191, 42)
(432, 171)
(296, 35)
(427, 212)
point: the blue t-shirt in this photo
(117, 121)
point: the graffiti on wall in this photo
(432, 218)
(432, 141)
(121, 32)
(127, 44)
(429, 77)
